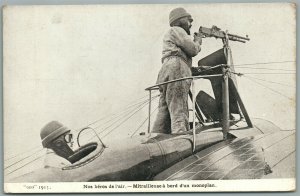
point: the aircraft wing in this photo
(270, 155)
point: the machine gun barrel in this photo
(218, 33)
(239, 37)
(232, 38)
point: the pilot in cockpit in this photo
(58, 140)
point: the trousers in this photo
(173, 112)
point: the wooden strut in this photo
(225, 91)
(225, 94)
(194, 123)
(225, 103)
(235, 90)
(242, 106)
(149, 112)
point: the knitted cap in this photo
(51, 131)
(178, 13)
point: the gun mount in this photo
(218, 33)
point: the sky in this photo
(77, 64)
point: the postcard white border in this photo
(155, 186)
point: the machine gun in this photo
(217, 33)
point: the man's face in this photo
(186, 24)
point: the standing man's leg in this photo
(177, 96)
(177, 100)
(162, 123)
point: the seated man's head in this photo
(57, 137)
(179, 17)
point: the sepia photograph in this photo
(149, 98)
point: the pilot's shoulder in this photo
(53, 160)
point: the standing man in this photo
(178, 50)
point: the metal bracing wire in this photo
(20, 155)
(262, 73)
(117, 113)
(25, 165)
(124, 121)
(124, 114)
(265, 68)
(16, 162)
(279, 93)
(139, 127)
(27, 157)
(287, 85)
(127, 116)
(117, 116)
(23, 159)
(265, 63)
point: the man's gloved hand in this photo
(198, 37)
